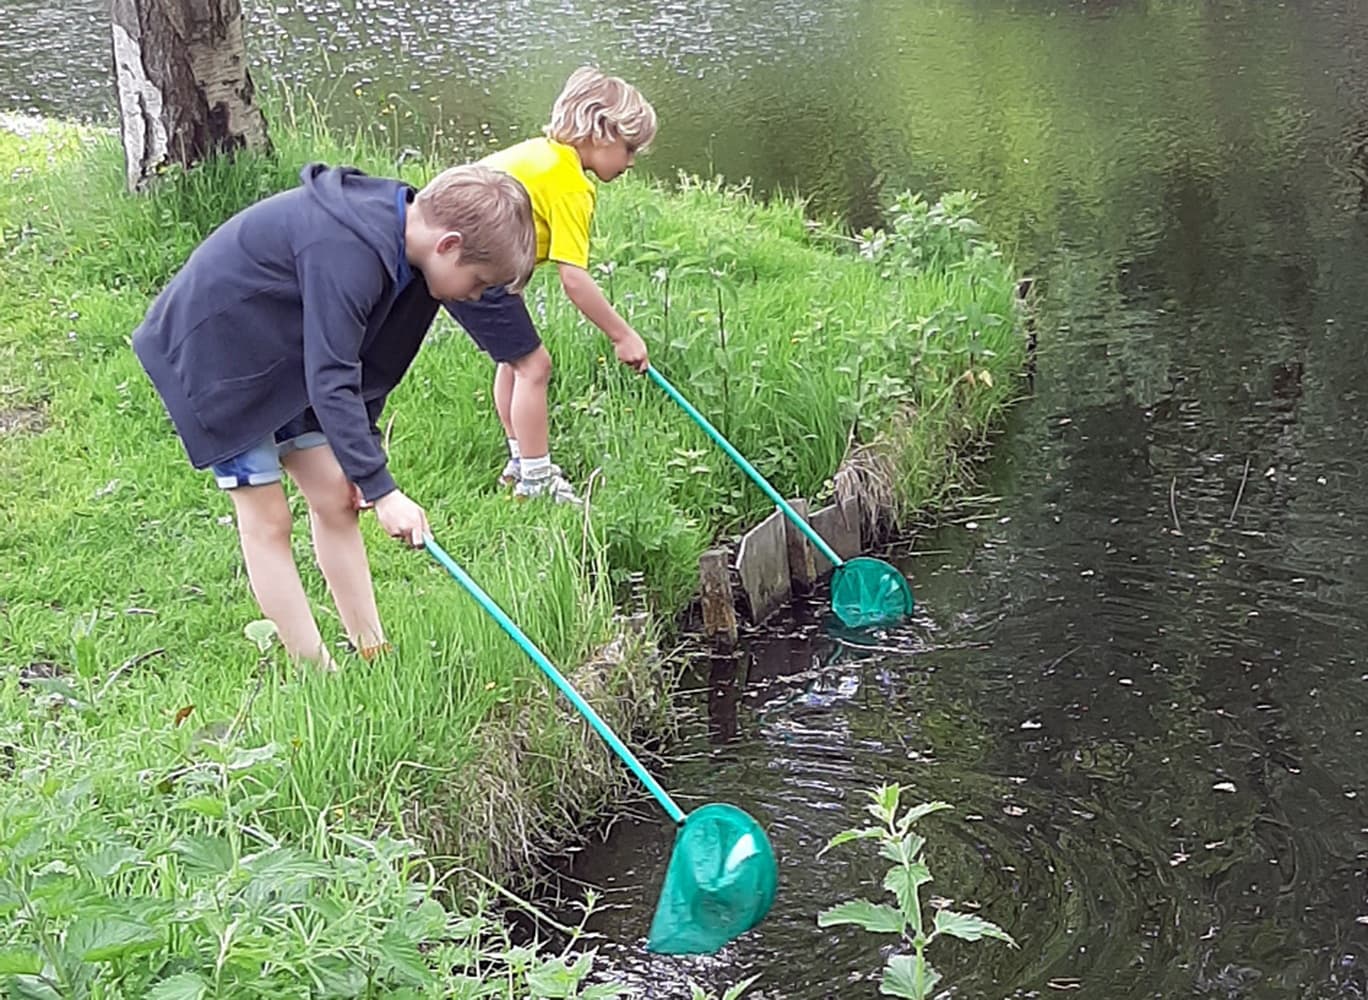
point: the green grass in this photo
(146, 779)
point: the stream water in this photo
(1139, 675)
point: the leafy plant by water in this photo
(908, 976)
(192, 892)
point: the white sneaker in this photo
(554, 486)
(512, 472)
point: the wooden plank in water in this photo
(839, 526)
(802, 569)
(719, 604)
(762, 560)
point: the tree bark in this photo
(184, 90)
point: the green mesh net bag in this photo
(720, 883)
(867, 592)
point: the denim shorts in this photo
(499, 323)
(260, 464)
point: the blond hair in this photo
(598, 108)
(492, 213)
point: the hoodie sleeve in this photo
(340, 286)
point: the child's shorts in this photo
(498, 323)
(260, 464)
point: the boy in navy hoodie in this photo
(275, 347)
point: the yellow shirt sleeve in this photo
(568, 217)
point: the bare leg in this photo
(527, 412)
(338, 543)
(503, 397)
(263, 517)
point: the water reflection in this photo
(55, 59)
(1137, 802)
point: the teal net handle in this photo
(537, 657)
(746, 467)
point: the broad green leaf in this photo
(329, 909)
(968, 927)
(111, 860)
(186, 986)
(20, 961)
(921, 811)
(519, 958)
(900, 978)
(207, 855)
(9, 899)
(393, 849)
(31, 988)
(244, 757)
(70, 794)
(873, 917)
(339, 978)
(56, 885)
(885, 802)
(256, 802)
(261, 632)
(467, 928)
(868, 833)
(903, 882)
(430, 920)
(285, 862)
(403, 956)
(551, 980)
(106, 939)
(205, 805)
(62, 688)
(904, 851)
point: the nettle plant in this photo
(910, 976)
(185, 892)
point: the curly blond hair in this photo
(598, 108)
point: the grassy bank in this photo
(181, 805)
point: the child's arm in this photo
(339, 287)
(584, 292)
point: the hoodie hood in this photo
(366, 205)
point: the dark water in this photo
(1139, 676)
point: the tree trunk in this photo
(184, 90)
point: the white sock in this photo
(536, 468)
(513, 452)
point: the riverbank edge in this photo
(507, 815)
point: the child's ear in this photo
(451, 242)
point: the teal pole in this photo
(581, 706)
(746, 467)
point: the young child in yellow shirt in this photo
(598, 125)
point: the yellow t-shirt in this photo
(562, 196)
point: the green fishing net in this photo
(867, 592)
(720, 882)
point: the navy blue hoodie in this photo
(302, 301)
